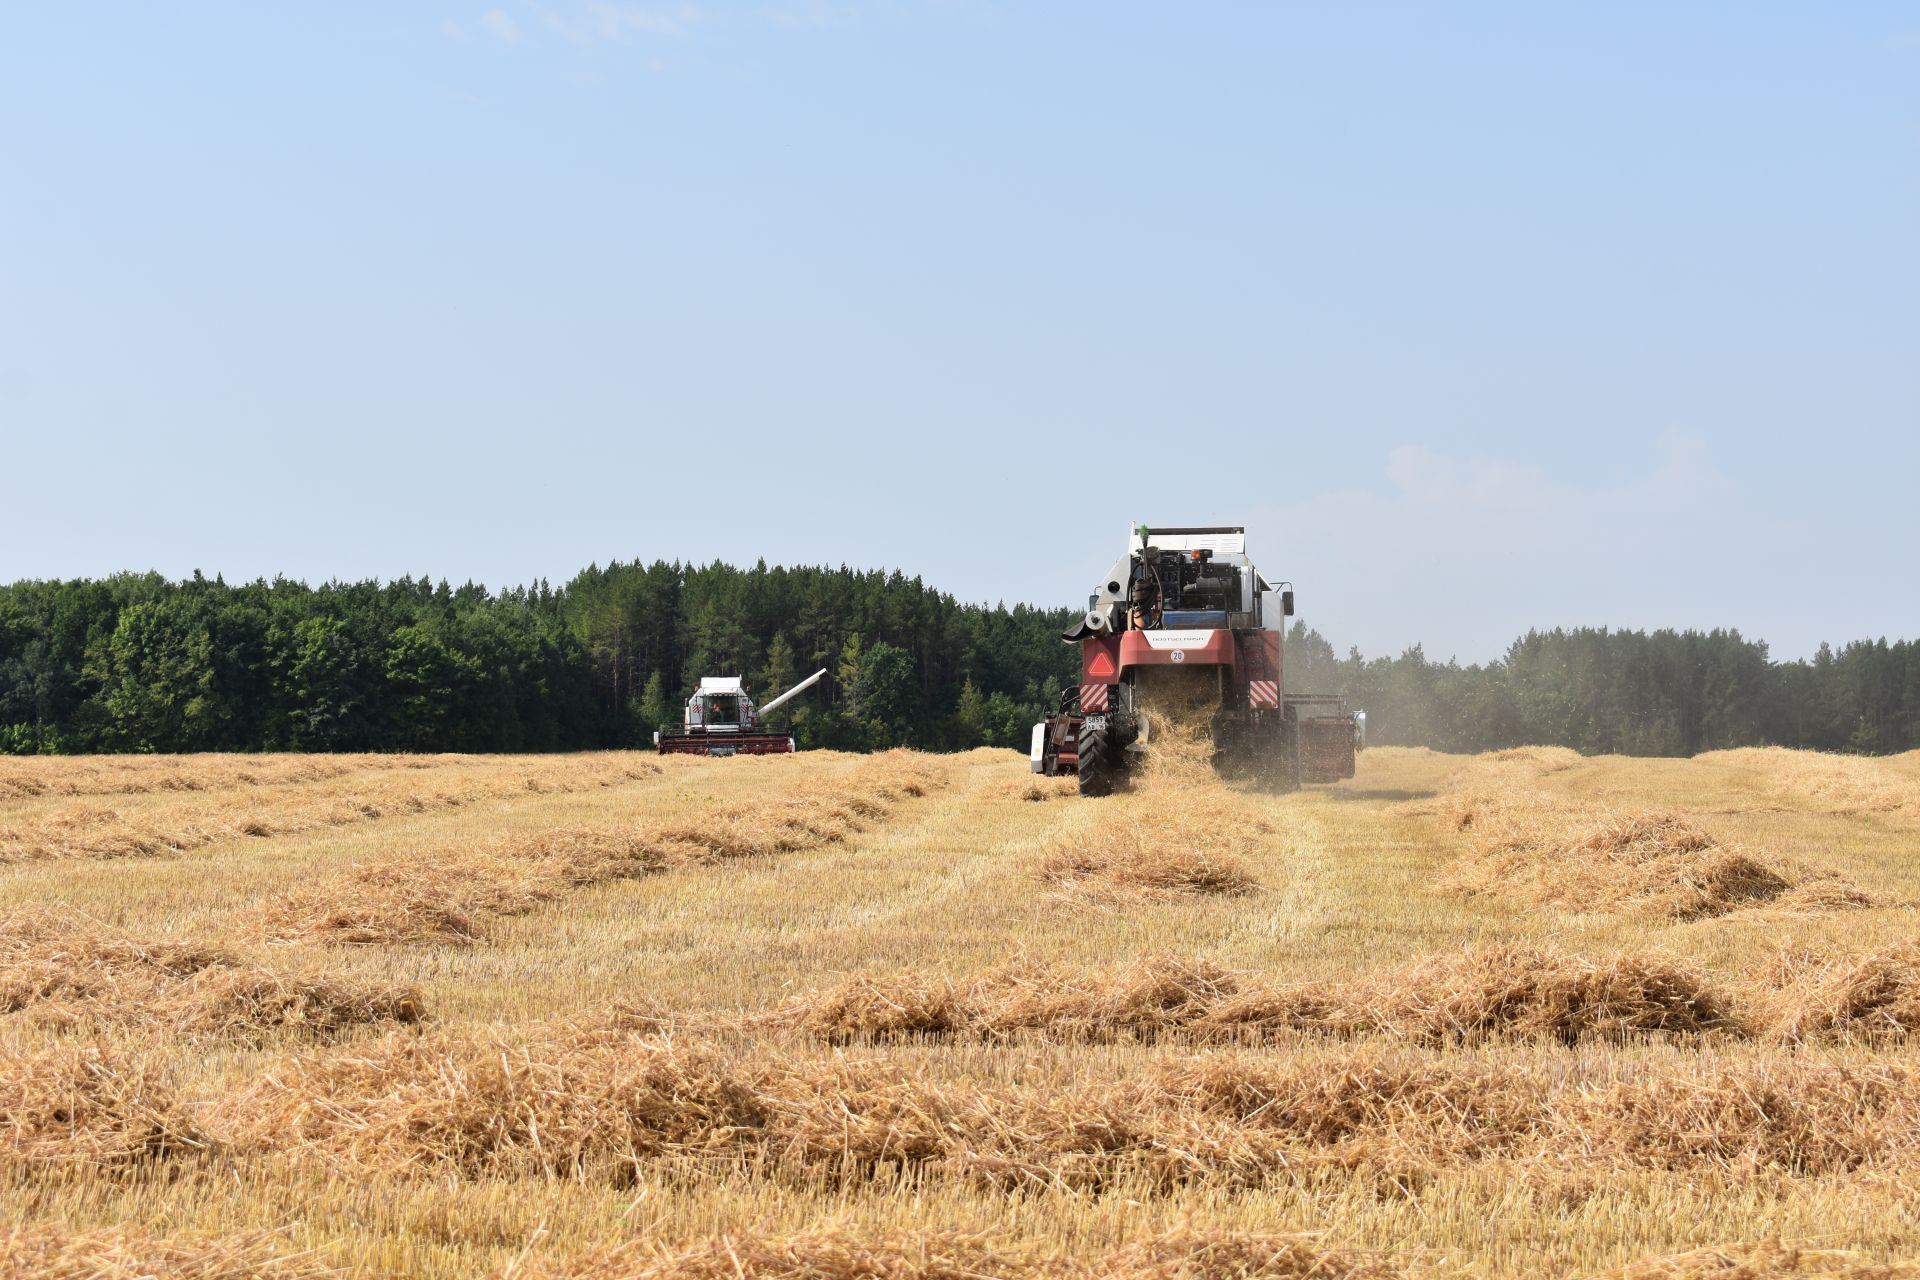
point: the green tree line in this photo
(1600, 691)
(138, 663)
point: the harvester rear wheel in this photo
(1095, 767)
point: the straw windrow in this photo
(90, 829)
(1825, 781)
(1510, 991)
(1766, 1260)
(1143, 855)
(60, 969)
(33, 776)
(87, 1106)
(843, 1255)
(449, 895)
(49, 1253)
(602, 1105)
(1541, 849)
(1035, 789)
(1875, 997)
(838, 1253)
(1176, 830)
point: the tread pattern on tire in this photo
(1096, 777)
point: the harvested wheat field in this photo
(904, 1017)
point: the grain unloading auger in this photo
(721, 720)
(1188, 601)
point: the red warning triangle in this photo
(1102, 664)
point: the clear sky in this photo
(1480, 317)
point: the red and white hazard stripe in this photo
(1093, 698)
(1263, 695)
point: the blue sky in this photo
(1480, 317)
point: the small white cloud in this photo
(500, 25)
(585, 23)
(604, 20)
(812, 15)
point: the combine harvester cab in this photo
(721, 720)
(1191, 600)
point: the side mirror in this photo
(1286, 604)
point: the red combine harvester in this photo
(1189, 600)
(721, 720)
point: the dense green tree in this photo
(160, 682)
(432, 686)
(654, 713)
(329, 684)
(781, 675)
(970, 716)
(886, 695)
(1007, 721)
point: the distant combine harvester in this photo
(721, 720)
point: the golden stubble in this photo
(833, 1015)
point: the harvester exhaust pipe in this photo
(802, 687)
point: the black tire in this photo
(1096, 763)
(1236, 748)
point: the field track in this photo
(909, 1017)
